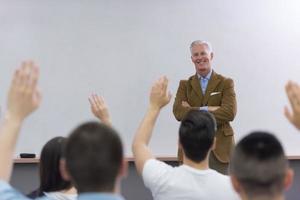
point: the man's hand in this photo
(213, 108)
(293, 93)
(185, 104)
(99, 109)
(159, 96)
(23, 96)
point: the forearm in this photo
(228, 108)
(223, 115)
(140, 148)
(145, 129)
(180, 111)
(226, 112)
(8, 138)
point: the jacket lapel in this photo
(212, 84)
(196, 86)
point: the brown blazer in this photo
(219, 92)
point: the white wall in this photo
(118, 48)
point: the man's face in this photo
(202, 58)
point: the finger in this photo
(29, 78)
(95, 101)
(90, 100)
(37, 97)
(27, 75)
(15, 79)
(20, 76)
(295, 90)
(102, 102)
(290, 94)
(157, 83)
(98, 101)
(165, 84)
(288, 114)
(33, 76)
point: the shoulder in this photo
(156, 174)
(224, 184)
(7, 192)
(152, 166)
(193, 77)
(188, 81)
(224, 79)
(222, 179)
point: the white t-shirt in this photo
(184, 182)
(60, 196)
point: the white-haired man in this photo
(207, 90)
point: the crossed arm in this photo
(223, 113)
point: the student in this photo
(94, 160)
(259, 168)
(52, 183)
(192, 180)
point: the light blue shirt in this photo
(7, 192)
(203, 83)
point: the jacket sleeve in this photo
(227, 110)
(178, 110)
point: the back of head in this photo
(259, 165)
(50, 176)
(94, 156)
(196, 134)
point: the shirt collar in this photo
(206, 77)
(99, 196)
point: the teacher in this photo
(211, 92)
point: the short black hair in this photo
(94, 155)
(259, 164)
(196, 134)
(50, 176)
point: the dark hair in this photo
(94, 156)
(50, 176)
(196, 134)
(259, 164)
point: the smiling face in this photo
(202, 58)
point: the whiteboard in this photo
(119, 48)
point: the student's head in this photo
(197, 134)
(94, 158)
(258, 166)
(50, 176)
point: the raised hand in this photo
(159, 95)
(293, 93)
(24, 96)
(99, 108)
